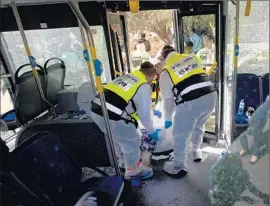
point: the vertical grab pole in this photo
(235, 63)
(86, 55)
(32, 60)
(98, 71)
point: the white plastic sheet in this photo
(165, 135)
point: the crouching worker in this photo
(185, 84)
(128, 98)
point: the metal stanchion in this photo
(235, 62)
(32, 60)
(98, 71)
(86, 55)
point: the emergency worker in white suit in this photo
(128, 98)
(188, 93)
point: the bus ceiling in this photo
(183, 6)
(35, 12)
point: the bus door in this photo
(119, 42)
(199, 32)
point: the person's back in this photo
(187, 92)
(124, 103)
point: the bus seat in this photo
(55, 74)
(265, 86)
(82, 138)
(46, 167)
(248, 88)
(10, 119)
(13, 193)
(28, 102)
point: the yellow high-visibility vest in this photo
(183, 66)
(125, 87)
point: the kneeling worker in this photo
(128, 98)
(184, 83)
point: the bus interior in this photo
(56, 130)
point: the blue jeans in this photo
(255, 149)
(255, 129)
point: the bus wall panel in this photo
(54, 15)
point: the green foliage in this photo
(161, 22)
(199, 22)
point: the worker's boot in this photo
(121, 164)
(175, 169)
(141, 172)
(197, 155)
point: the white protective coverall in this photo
(188, 120)
(127, 137)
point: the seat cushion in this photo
(241, 119)
(13, 193)
(43, 164)
(248, 89)
(9, 117)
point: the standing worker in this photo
(128, 98)
(185, 84)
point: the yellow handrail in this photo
(248, 8)
(134, 6)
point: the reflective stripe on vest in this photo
(187, 75)
(124, 87)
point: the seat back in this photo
(4, 156)
(56, 74)
(74, 136)
(248, 88)
(43, 164)
(28, 103)
(265, 86)
(13, 193)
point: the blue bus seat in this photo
(248, 88)
(265, 86)
(82, 139)
(9, 116)
(46, 167)
(10, 119)
(13, 192)
(55, 74)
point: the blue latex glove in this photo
(154, 135)
(157, 113)
(168, 124)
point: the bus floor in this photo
(163, 190)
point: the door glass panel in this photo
(199, 39)
(117, 41)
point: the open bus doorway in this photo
(139, 37)
(199, 39)
(149, 31)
